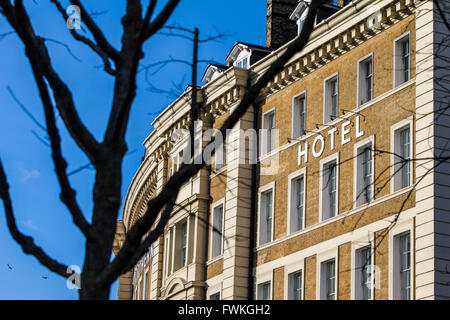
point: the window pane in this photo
(332, 189)
(300, 189)
(215, 296)
(369, 78)
(269, 215)
(330, 279)
(405, 266)
(217, 231)
(365, 261)
(264, 291)
(334, 98)
(183, 243)
(266, 217)
(405, 154)
(405, 59)
(302, 116)
(367, 173)
(297, 286)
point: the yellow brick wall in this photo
(379, 118)
(278, 284)
(382, 262)
(344, 269)
(310, 278)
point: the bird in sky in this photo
(9, 267)
(45, 278)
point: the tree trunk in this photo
(107, 199)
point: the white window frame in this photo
(325, 97)
(264, 140)
(297, 266)
(291, 178)
(356, 192)
(295, 114)
(177, 241)
(140, 289)
(167, 254)
(394, 129)
(214, 294)
(396, 81)
(356, 274)
(265, 188)
(263, 279)
(214, 286)
(218, 167)
(320, 285)
(146, 282)
(240, 61)
(322, 163)
(356, 245)
(215, 205)
(360, 84)
(401, 228)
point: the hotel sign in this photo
(318, 146)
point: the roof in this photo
(253, 47)
(211, 69)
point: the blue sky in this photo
(34, 189)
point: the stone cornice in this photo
(333, 37)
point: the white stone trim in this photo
(264, 278)
(214, 285)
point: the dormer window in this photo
(243, 55)
(243, 63)
(212, 72)
(325, 11)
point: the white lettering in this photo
(322, 147)
(303, 153)
(331, 134)
(345, 131)
(359, 133)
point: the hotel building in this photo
(332, 185)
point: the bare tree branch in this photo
(26, 242)
(98, 35)
(96, 48)
(441, 13)
(38, 56)
(161, 19)
(68, 194)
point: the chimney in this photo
(280, 29)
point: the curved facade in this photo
(327, 190)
